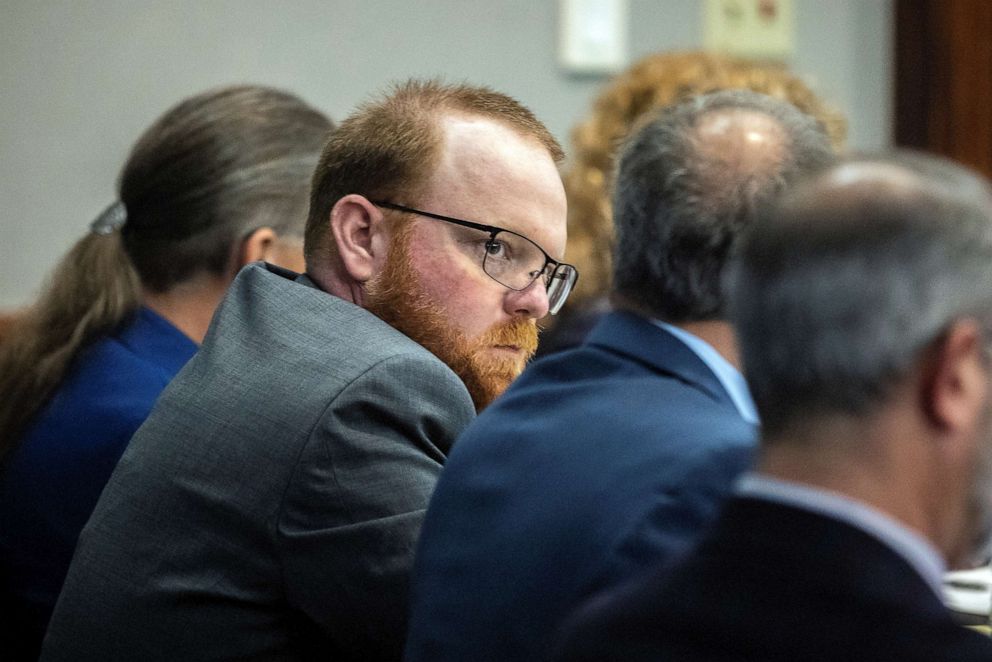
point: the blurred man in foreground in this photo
(864, 309)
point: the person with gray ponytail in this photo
(220, 180)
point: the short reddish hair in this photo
(389, 146)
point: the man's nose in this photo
(530, 302)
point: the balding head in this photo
(852, 276)
(688, 182)
(733, 149)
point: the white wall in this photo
(80, 79)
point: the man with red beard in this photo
(270, 505)
(398, 298)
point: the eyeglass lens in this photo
(512, 259)
(516, 262)
(560, 286)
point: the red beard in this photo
(396, 296)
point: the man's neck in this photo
(887, 463)
(330, 280)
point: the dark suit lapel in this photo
(637, 338)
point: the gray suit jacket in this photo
(269, 507)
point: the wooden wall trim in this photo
(944, 79)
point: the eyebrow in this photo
(492, 229)
(441, 217)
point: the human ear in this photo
(955, 386)
(354, 222)
(286, 251)
(256, 246)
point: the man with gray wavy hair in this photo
(863, 305)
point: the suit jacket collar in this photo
(818, 550)
(917, 550)
(633, 336)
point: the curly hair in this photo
(656, 81)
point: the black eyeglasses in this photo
(511, 259)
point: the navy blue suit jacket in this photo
(597, 462)
(772, 583)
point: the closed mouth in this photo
(509, 348)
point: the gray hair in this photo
(213, 169)
(680, 205)
(843, 285)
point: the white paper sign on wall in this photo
(761, 29)
(593, 36)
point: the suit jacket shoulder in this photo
(354, 507)
(771, 582)
(272, 499)
(595, 464)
